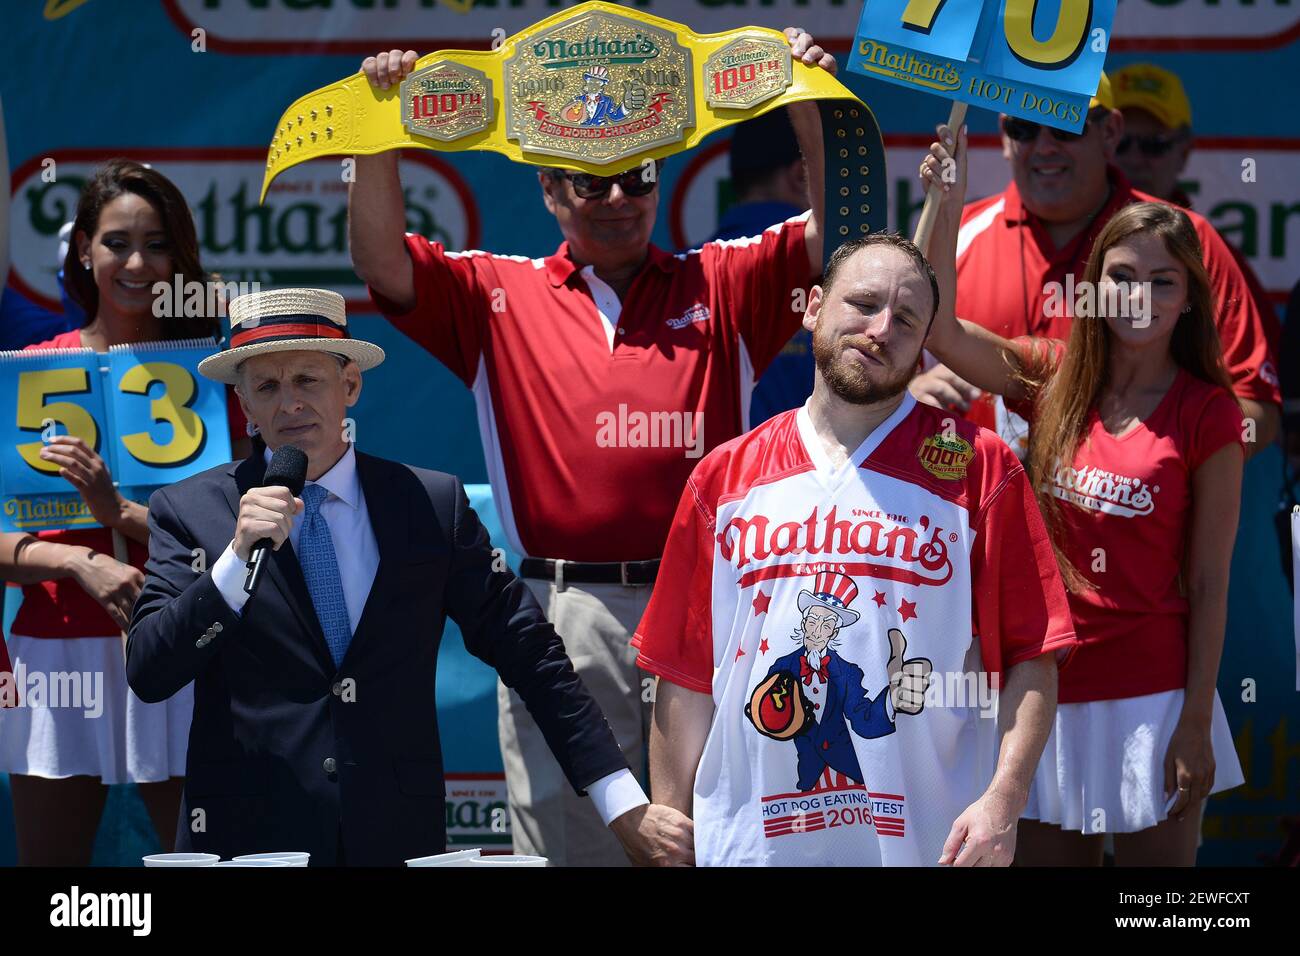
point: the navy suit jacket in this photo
(288, 752)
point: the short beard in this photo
(848, 379)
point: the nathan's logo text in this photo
(756, 538)
(905, 65)
(559, 53)
(696, 313)
(1099, 490)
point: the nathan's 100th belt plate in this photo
(598, 88)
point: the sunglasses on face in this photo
(1026, 131)
(633, 182)
(1152, 146)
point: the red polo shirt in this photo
(594, 411)
(1006, 259)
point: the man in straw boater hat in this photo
(314, 719)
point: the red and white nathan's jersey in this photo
(787, 587)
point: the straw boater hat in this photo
(287, 320)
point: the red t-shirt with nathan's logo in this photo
(1126, 504)
(594, 410)
(61, 608)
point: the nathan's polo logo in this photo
(696, 313)
(599, 87)
(945, 457)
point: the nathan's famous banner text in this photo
(298, 237)
(143, 408)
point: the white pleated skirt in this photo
(1102, 770)
(77, 716)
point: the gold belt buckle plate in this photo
(599, 86)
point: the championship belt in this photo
(598, 88)
(778, 707)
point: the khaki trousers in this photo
(596, 623)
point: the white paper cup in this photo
(254, 864)
(454, 858)
(293, 858)
(509, 861)
(181, 859)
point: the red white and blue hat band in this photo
(276, 328)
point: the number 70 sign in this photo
(1037, 59)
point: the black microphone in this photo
(288, 469)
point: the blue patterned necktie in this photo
(321, 569)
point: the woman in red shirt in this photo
(132, 229)
(1135, 454)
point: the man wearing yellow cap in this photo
(1157, 129)
(1019, 248)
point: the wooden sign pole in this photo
(925, 225)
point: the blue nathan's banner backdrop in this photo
(144, 408)
(195, 87)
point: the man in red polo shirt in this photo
(602, 374)
(1016, 249)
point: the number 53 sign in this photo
(1037, 59)
(143, 408)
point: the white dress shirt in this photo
(357, 554)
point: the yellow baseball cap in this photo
(1103, 96)
(1154, 89)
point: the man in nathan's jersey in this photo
(849, 594)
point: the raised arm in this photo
(807, 122)
(982, 358)
(376, 209)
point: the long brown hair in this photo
(1064, 399)
(115, 178)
